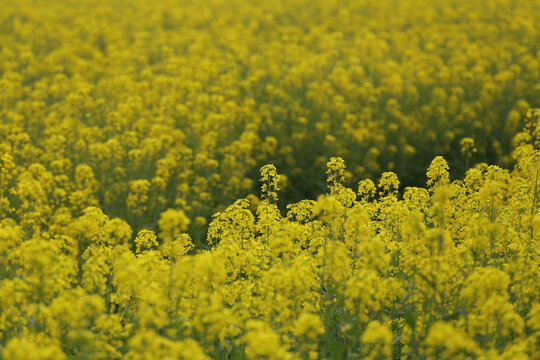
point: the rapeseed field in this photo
(281, 179)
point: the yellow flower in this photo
(171, 223)
(378, 340)
(145, 240)
(389, 183)
(467, 146)
(448, 342)
(270, 183)
(437, 173)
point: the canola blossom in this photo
(275, 179)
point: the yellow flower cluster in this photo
(132, 224)
(450, 271)
(142, 107)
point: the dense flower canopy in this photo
(163, 190)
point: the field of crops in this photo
(280, 179)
